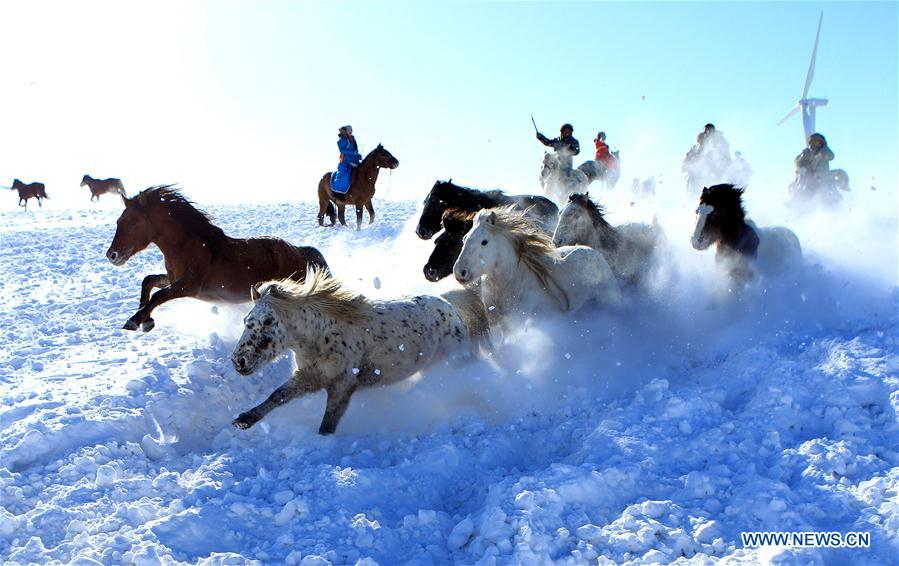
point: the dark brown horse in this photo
(361, 192)
(31, 190)
(102, 186)
(200, 260)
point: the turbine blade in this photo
(792, 111)
(811, 66)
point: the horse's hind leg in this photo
(341, 213)
(358, 216)
(338, 400)
(149, 283)
(371, 212)
(297, 386)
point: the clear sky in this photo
(242, 101)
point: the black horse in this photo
(445, 195)
(448, 245)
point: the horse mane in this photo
(725, 198)
(470, 200)
(321, 292)
(168, 199)
(455, 221)
(534, 248)
(597, 213)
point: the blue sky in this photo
(235, 97)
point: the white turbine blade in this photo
(794, 110)
(811, 66)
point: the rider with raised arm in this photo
(566, 145)
(349, 159)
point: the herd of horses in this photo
(515, 257)
(38, 191)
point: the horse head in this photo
(434, 205)
(719, 217)
(448, 245)
(85, 180)
(384, 158)
(262, 339)
(134, 232)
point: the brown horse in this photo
(102, 186)
(362, 188)
(31, 190)
(200, 260)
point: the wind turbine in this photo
(808, 105)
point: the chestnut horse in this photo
(102, 186)
(200, 260)
(361, 191)
(31, 190)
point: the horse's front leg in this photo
(358, 216)
(299, 384)
(371, 212)
(338, 401)
(176, 290)
(149, 283)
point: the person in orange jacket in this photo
(603, 155)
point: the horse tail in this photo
(330, 210)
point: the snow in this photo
(643, 436)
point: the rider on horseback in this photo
(566, 146)
(814, 161)
(603, 155)
(349, 158)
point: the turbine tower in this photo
(808, 105)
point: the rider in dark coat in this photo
(814, 159)
(566, 145)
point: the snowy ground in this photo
(657, 433)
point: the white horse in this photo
(629, 248)
(559, 179)
(742, 248)
(521, 273)
(343, 341)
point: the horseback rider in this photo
(814, 161)
(603, 154)
(566, 145)
(349, 159)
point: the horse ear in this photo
(491, 218)
(450, 181)
(254, 292)
(126, 201)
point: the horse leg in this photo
(341, 213)
(332, 214)
(371, 212)
(322, 207)
(40, 202)
(176, 290)
(358, 216)
(299, 384)
(338, 400)
(149, 283)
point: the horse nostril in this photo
(112, 255)
(241, 362)
(464, 273)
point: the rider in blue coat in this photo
(349, 159)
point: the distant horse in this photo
(361, 191)
(200, 260)
(521, 272)
(31, 190)
(597, 171)
(559, 182)
(343, 341)
(102, 186)
(742, 248)
(809, 191)
(445, 195)
(629, 248)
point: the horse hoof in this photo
(148, 325)
(243, 422)
(130, 325)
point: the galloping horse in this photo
(445, 195)
(558, 182)
(200, 260)
(361, 191)
(31, 190)
(102, 186)
(629, 248)
(521, 272)
(742, 248)
(597, 171)
(343, 341)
